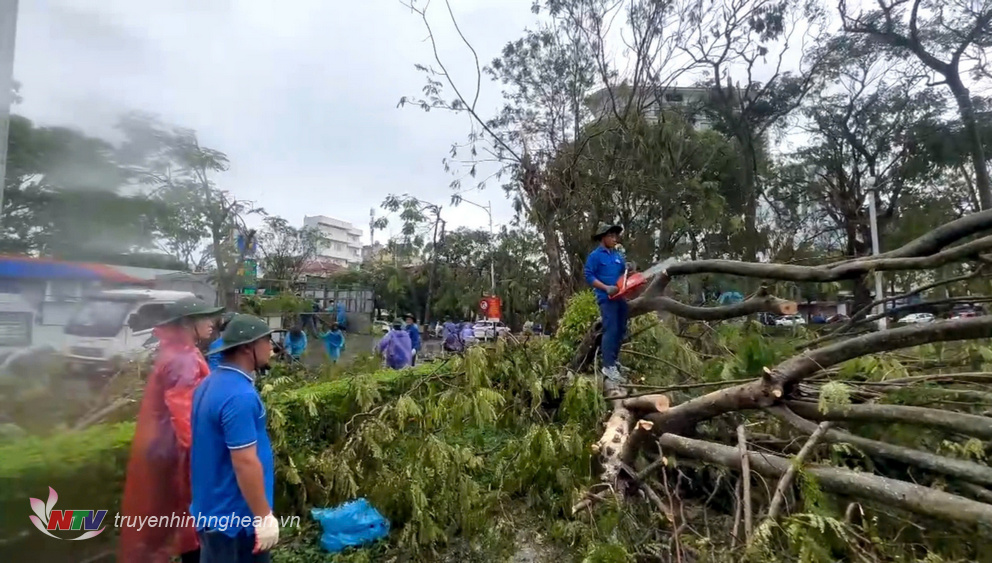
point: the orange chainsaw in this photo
(631, 285)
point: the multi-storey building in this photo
(344, 241)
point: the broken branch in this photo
(962, 469)
(969, 424)
(745, 464)
(785, 483)
(900, 494)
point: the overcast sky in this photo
(301, 95)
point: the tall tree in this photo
(420, 220)
(286, 250)
(62, 197)
(750, 96)
(172, 161)
(867, 131)
(949, 37)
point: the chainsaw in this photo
(630, 286)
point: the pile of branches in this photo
(645, 430)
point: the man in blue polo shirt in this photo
(231, 462)
(604, 268)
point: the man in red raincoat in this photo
(157, 482)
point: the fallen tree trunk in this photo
(612, 443)
(765, 391)
(962, 469)
(898, 494)
(969, 424)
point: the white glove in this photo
(267, 534)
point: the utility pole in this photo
(488, 208)
(372, 226)
(873, 220)
(8, 33)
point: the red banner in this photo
(490, 307)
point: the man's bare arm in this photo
(251, 481)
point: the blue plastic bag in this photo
(351, 524)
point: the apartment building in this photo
(688, 100)
(344, 240)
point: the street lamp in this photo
(873, 221)
(488, 208)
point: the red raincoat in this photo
(157, 482)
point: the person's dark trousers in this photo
(218, 547)
(614, 314)
(190, 557)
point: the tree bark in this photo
(899, 494)
(967, 470)
(967, 109)
(745, 464)
(785, 483)
(969, 424)
(764, 392)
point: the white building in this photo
(344, 241)
(688, 100)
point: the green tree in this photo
(948, 37)
(729, 45)
(286, 250)
(62, 197)
(180, 171)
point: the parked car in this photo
(490, 329)
(790, 320)
(917, 318)
(380, 327)
(965, 314)
(838, 318)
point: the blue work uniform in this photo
(414, 331)
(296, 346)
(608, 266)
(333, 343)
(228, 414)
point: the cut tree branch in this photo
(899, 494)
(968, 424)
(967, 470)
(766, 391)
(785, 483)
(745, 462)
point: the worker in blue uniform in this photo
(604, 268)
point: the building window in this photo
(10, 286)
(63, 290)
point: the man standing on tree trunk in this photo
(604, 268)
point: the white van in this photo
(115, 325)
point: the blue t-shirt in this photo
(213, 359)
(227, 415)
(606, 266)
(414, 331)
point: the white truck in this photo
(115, 326)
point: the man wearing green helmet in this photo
(232, 469)
(157, 481)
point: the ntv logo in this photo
(48, 519)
